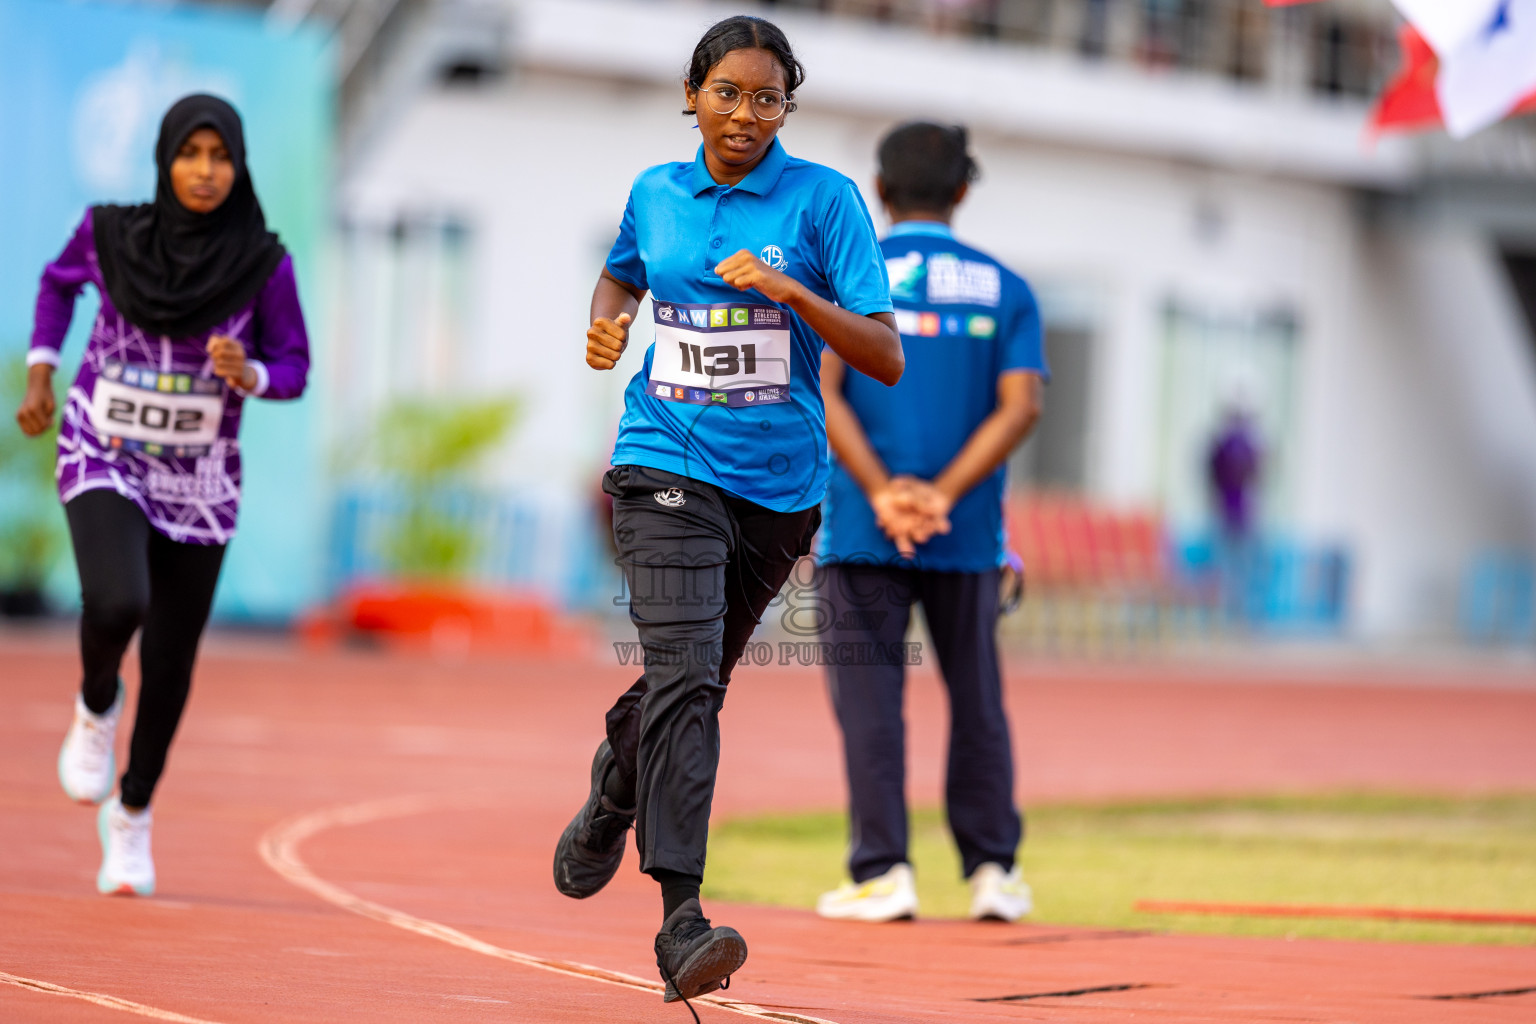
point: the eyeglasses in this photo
(768, 104)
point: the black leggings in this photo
(131, 575)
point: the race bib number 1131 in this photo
(721, 354)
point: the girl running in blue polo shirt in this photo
(754, 260)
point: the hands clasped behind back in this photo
(911, 511)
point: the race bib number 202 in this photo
(721, 354)
(142, 409)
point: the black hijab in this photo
(174, 272)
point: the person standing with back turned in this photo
(755, 261)
(915, 516)
(199, 311)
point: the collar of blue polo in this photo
(933, 228)
(760, 182)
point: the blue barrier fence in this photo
(1498, 598)
(1270, 584)
(517, 543)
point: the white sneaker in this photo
(126, 866)
(998, 895)
(87, 762)
(890, 897)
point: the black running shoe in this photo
(592, 845)
(695, 958)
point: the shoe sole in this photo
(1000, 917)
(868, 915)
(857, 919)
(103, 884)
(708, 968)
(564, 851)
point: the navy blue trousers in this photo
(869, 607)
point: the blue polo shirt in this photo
(735, 397)
(965, 319)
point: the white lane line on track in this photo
(110, 1002)
(280, 849)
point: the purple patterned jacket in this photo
(145, 416)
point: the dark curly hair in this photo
(743, 32)
(923, 165)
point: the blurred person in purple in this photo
(199, 311)
(1234, 464)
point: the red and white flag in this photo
(1466, 65)
(1490, 70)
(1447, 24)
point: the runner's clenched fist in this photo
(606, 340)
(37, 406)
(743, 270)
(229, 362)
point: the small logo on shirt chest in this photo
(773, 256)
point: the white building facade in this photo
(1196, 240)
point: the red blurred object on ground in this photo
(445, 619)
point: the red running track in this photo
(440, 907)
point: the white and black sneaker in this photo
(87, 760)
(998, 895)
(126, 865)
(888, 897)
(694, 958)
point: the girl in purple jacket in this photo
(199, 311)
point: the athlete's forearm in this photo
(869, 344)
(846, 434)
(612, 297)
(989, 444)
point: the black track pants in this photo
(132, 576)
(868, 609)
(702, 565)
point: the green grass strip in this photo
(1089, 864)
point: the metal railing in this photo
(1331, 49)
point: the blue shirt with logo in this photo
(965, 319)
(767, 444)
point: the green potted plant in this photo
(426, 452)
(422, 456)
